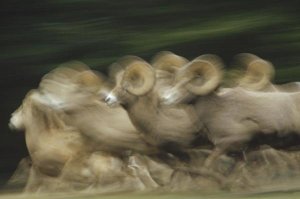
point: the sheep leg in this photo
(174, 149)
(233, 141)
(20, 177)
(216, 153)
(34, 181)
(142, 171)
(203, 172)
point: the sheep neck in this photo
(153, 119)
(48, 140)
(40, 123)
(142, 110)
(205, 107)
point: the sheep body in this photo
(231, 117)
(80, 101)
(165, 127)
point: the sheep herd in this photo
(167, 125)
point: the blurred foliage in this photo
(38, 35)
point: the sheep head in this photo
(17, 120)
(199, 77)
(166, 64)
(259, 72)
(136, 79)
(68, 87)
(32, 106)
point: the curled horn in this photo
(203, 75)
(91, 80)
(67, 71)
(75, 65)
(139, 76)
(168, 61)
(63, 73)
(259, 72)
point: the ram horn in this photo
(90, 80)
(63, 73)
(258, 75)
(139, 76)
(168, 61)
(68, 70)
(203, 76)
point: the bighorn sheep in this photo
(231, 119)
(49, 141)
(109, 129)
(63, 160)
(259, 75)
(169, 128)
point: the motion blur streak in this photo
(166, 152)
(82, 145)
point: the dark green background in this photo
(38, 35)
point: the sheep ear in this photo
(259, 74)
(138, 78)
(204, 76)
(168, 61)
(114, 69)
